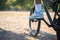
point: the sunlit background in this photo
(17, 4)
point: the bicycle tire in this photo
(34, 32)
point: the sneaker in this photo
(37, 15)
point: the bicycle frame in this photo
(49, 17)
(53, 23)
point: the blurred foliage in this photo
(18, 4)
(2, 4)
(58, 7)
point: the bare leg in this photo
(38, 1)
(37, 4)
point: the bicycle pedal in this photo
(33, 20)
(39, 18)
(50, 25)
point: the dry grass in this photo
(15, 26)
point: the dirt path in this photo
(14, 26)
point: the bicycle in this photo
(53, 23)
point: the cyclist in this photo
(38, 13)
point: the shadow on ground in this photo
(45, 36)
(8, 35)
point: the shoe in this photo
(37, 15)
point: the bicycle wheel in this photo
(58, 14)
(34, 25)
(58, 28)
(58, 22)
(57, 18)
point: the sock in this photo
(38, 7)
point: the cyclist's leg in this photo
(38, 5)
(38, 13)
